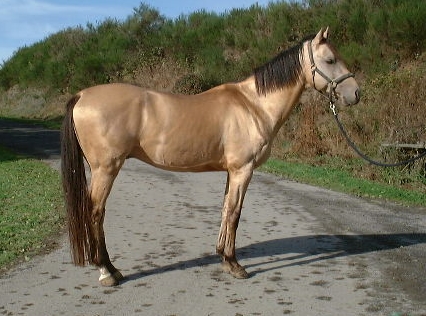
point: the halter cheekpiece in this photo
(332, 83)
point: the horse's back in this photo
(109, 98)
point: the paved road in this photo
(30, 140)
(308, 251)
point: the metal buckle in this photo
(333, 108)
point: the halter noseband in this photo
(332, 83)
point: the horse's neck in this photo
(276, 105)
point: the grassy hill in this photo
(373, 36)
(382, 41)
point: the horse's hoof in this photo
(109, 281)
(237, 272)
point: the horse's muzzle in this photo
(351, 100)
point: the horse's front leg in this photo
(236, 187)
(101, 184)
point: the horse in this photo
(228, 128)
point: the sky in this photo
(25, 22)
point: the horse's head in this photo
(328, 72)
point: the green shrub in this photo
(371, 35)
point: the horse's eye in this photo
(331, 61)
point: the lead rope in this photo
(332, 84)
(361, 154)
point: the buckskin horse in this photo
(227, 128)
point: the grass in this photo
(31, 207)
(339, 179)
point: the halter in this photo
(332, 83)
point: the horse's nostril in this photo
(357, 95)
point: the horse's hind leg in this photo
(234, 195)
(101, 183)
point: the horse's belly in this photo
(187, 156)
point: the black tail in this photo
(77, 198)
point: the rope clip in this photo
(333, 108)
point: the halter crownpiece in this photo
(332, 83)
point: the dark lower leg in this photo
(229, 259)
(109, 274)
(236, 187)
(220, 246)
(100, 187)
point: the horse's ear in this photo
(326, 33)
(321, 36)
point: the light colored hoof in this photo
(237, 272)
(109, 281)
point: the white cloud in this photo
(17, 9)
(23, 22)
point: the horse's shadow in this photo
(294, 251)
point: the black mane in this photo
(281, 71)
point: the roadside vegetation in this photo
(30, 208)
(373, 36)
(341, 179)
(382, 41)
